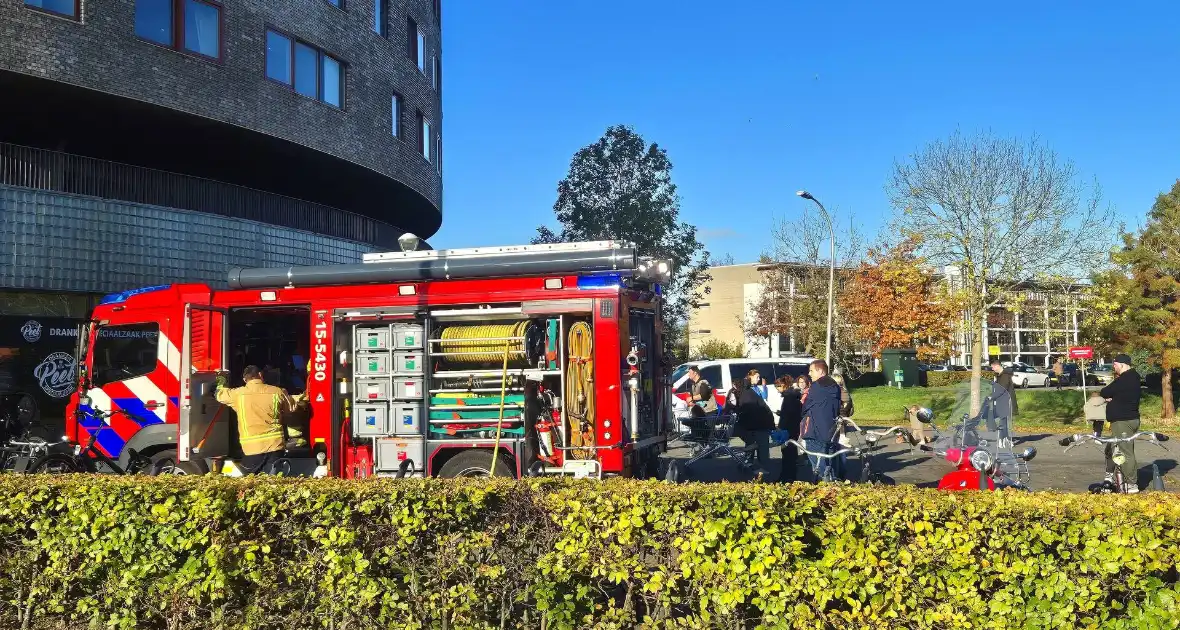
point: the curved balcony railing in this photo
(67, 173)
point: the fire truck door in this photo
(204, 424)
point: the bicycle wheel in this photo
(56, 464)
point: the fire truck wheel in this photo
(650, 468)
(475, 463)
(165, 463)
(674, 472)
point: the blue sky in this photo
(754, 100)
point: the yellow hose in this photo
(579, 390)
(483, 344)
(500, 422)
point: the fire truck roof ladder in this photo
(488, 262)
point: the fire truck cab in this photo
(539, 359)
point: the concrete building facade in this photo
(152, 141)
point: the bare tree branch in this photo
(1005, 213)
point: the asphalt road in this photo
(1051, 469)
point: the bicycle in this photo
(86, 458)
(19, 446)
(1118, 485)
(864, 454)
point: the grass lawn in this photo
(1042, 409)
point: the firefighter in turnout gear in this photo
(260, 409)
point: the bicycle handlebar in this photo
(1078, 438)
(872, 437)
(803, 449)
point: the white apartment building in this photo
(1044, 325)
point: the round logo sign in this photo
(31, 331)
(56, 374)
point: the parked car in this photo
(1021, 365)
(1103, 373)
(1026, 376)
(940, 367)
(1071, 376)
(722, 373)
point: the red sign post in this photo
(1082, 352)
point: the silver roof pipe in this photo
(441, 266)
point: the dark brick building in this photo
(152, 141)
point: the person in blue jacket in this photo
(821, 408)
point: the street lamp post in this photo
(831, 274)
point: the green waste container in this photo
(900, 366)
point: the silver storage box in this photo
(372, 364)
(370, 421)
(407, 336)
(371, 390)
(407, 418)
(372, 339)
(407, 362)
(391, 452)
(408, 388)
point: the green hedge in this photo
(202, 553)
(944, 379)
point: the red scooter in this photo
(982, 460)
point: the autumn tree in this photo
(793, 297)
(893, 300)
(1004, 214)
(1135, 303)
(620, 188)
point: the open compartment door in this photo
(204, 423)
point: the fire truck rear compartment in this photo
(477, 373)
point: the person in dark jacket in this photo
(790, 416)
(1004, 378)
(820, 411)
(1122, 412)
(755, 420)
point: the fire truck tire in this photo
(165, 463)
(674, 472)
(476, 463)
(56, 463)
(649, 467)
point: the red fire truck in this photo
(510, 361)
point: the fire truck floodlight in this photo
(553, 283)
(408, 242)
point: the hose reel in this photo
(484, 343)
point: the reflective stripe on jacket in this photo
(260, 408)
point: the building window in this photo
(379, 17)
(396, 115)
(424, 136)
(438, 153)
(278, 57)
(339, 4)
(309, 70)
(125, 352)
(437, 74)
(417, 44)
(421, 52)
(68, 8)
(438, 11)
(198, 29)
